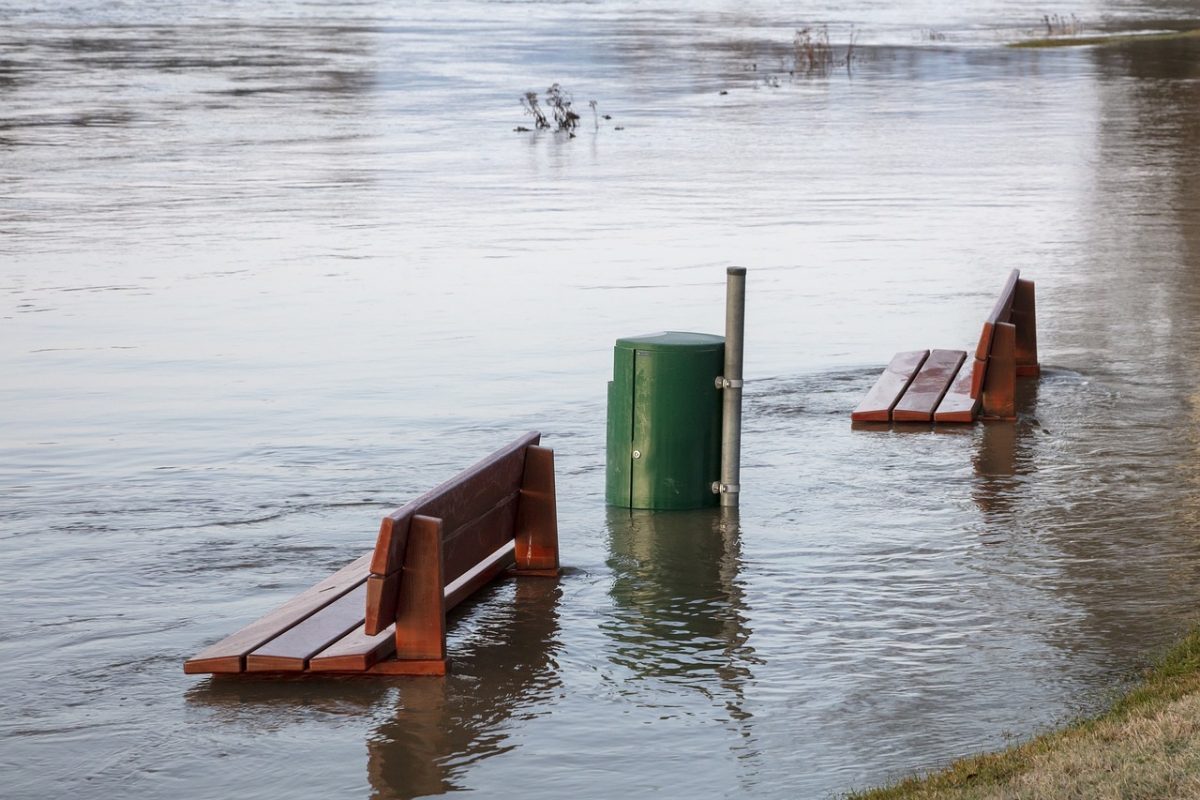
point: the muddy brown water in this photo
(270, 269)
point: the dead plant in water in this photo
(813, 54)
(560, 105)
(529, 102)
(558, 101)
(812, 50)
(1058, 25)
(850, 45)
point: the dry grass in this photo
(1147, 746)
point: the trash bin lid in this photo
(672, 340)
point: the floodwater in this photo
(269, 269)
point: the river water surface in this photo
(269, 269)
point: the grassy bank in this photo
(1146, 746)
(1108, 39)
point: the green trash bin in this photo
(664, 421)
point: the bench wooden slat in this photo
(484, 484)
(355, 652)
(929, 386)
(1003, 306)
(290, 651)
(462, 547)
(877, 405)
(229, 654)
(958, 405)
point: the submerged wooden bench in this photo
(385, 612)
(946, 386)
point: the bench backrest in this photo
(478, 512)
(477, 508)
(1001, 312)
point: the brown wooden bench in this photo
(385, 612)
(947, 386)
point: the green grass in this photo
(1146, 746)
(1108, 39)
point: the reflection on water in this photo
(1005, 454)
(267, 270)
(242, 703)
(428, 732)
(680, 612)
(502, 673)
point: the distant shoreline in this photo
(1106, 39)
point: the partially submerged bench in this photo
(946, 386)
(385, 612)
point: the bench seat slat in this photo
(929, 386)
(228, 655)
(877, 405)
(290, 651)
(958, 405)
(356, 651)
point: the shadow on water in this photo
(502, 657)
(680, 613)
(241, 700)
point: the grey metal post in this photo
(731, 411)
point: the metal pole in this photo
(731, 411)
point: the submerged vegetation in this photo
(1146, 746)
